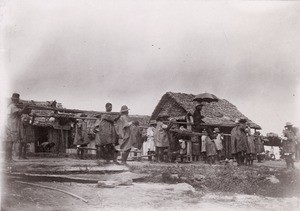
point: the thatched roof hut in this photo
(219, 113)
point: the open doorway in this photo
(41, 136)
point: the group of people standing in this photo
(168, 145)
(245, 146)
(211, 146)
(113, 135)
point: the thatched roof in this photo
(142, 119)
(44, 121)
(178, 105)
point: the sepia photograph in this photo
(149, 105)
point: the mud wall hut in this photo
(220, 113)
(46, 129)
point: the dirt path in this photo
(139, 196)
(165, 186)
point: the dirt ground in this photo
(164, 186)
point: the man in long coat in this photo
(238, 141)
(123, 125)
(289, 145)
(106, 136)
(259, 146)
(13, 126)
(161, 138)
(81, 138)
(26, 121)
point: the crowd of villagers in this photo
(117, 135)
(164, 141)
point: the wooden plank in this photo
(86, 148)
(64, 110)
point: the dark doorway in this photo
(41, 136)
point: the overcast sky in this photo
(86, 53)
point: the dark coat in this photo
(259, 146)
(250, 145)
(238, 140)
(106, 133)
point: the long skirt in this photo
(148, 145)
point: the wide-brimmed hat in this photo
(124, 108)
(288, 124)
(15, 96)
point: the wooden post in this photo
(189, 142)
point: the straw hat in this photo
(124, 108)
(288, 124)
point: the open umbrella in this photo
(206, 97)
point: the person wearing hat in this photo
(13, 126)
(148, 146)
(123, 130)
(289, 144)
(218, 139)
(238, 141)
(106, 136)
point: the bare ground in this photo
(195, 186)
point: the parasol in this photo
(205, 97)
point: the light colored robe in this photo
(13, 126)
(203, 143)
(161, 138)
(123, 131)
(218, 142)
(149, 144)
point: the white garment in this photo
(218, 142)
(149, 144)
(203, 143)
